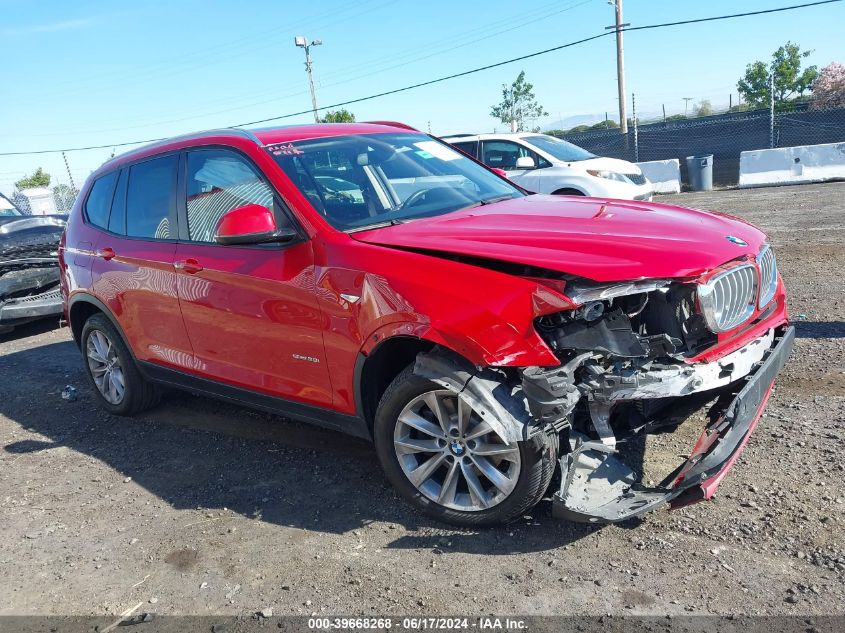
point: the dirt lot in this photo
(203, 508)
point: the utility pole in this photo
(302, 42)
(620, 64)
(686, 104)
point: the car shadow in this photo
(819, 329)
(31, 328)
(198, 453)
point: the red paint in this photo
(630, 240)
(250, 219)
(239, 314)
(706, 489)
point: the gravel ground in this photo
(203, 508)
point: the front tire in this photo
(448, 463)
(112, 371)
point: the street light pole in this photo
(302, 42)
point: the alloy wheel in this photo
(451, 455)
(105, 367)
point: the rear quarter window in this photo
(98, 204)
(467, 148)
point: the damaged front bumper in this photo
(597, 486)
(21, 309)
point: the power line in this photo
(454, 75)
(345, 72)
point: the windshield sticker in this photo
(436, 150)
(286, 149)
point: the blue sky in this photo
(91, 72)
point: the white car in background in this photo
(546, 164)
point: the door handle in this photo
(106, 253)
(190, 265)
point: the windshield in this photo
(360, 181)
(560, 149)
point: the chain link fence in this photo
(723, 135)
(56, 199)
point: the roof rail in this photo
(393, 124)
(226, 131)
(460, 134)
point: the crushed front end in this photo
(29, 269)
(644, 358)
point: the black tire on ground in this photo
(568, 192)
(536, 470)
(36, 242)
(139, 394)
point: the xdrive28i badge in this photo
(736, 240)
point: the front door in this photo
(503, 154)
(250, 312)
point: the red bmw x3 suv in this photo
(371, 279)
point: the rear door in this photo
(250, 312)
(133, 265)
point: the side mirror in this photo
(499, 171)
(525, 162)
(250, 224)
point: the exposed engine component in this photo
(551, 393)
(659, 323)
(625, 352)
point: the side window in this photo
(470, 147)
(219, 181)
(117, 219)
(149, 198)
(503, 154)
(99, 200)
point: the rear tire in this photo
(458, 491)
(112, 371)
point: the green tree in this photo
(703, 108)
(39, 179)
(338, 116)
(790, 80)
(518, 104)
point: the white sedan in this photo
(546, 164)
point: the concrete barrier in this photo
(665, 175)
(792, 165)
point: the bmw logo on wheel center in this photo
(736, 240)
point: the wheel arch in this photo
(83, 306)
(376, 370)
(568, 191)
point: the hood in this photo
(14, 223)
(598, 239)
(609, 164)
